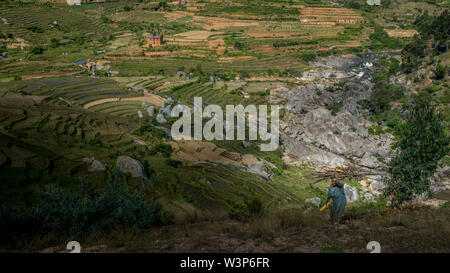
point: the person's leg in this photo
(333, 214)
(340, 213)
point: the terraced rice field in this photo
(212, 94)
(120, 108)
(78, 90)
(72, 19)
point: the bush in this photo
(35, 50)
(412, 54)
(308, 56)
(255, 206)
(383, 93)
(440, 72)
(70, 213)
(54, 43)
(127, 8)
(421, 144)
(165, 149)
(334, 108)
(173, 163)
(35, 29)
(381, 40)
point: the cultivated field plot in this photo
(30, 22)
(120, 108)
(77, 90)
(239, 33)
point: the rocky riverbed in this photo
(324, 123)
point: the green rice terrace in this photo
(85, 103)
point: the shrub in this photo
(255, 206)
(54, 43)
(70, 213)
(308, 56)
(173, 163)
(440, 71)
(381, 40)
(334, 108)
(165, 149)
(35, 50)
(35, 29)
(381, 96)
(421, 144)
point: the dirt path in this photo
(150, 98)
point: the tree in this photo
(37, 50)
(440, 72)
(421, 144)
(54, 43)
(413, 53)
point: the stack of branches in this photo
(348, 172)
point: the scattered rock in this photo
(167, 110)
(433, 202)
(351, 193)
(441, 179)
(315, 201)
(151, 111)
(130, 165)
(368, 196)
(95, 165)
(246, 144)
(160, 118)
(139, 142)
(377, 186)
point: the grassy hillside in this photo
(56, 116)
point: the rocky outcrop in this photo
(325, 124)
(302, 152)
(130, 165)
(255, 165)
(94, 164)
(441, 179)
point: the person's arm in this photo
(339, 184)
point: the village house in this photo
(154, 40)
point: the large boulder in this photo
(130, 165)
(351, 193)
(308, 153)
(255, 165)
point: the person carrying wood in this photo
(337, 194)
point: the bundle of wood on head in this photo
(348, 172)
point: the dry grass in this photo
(413, 229)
